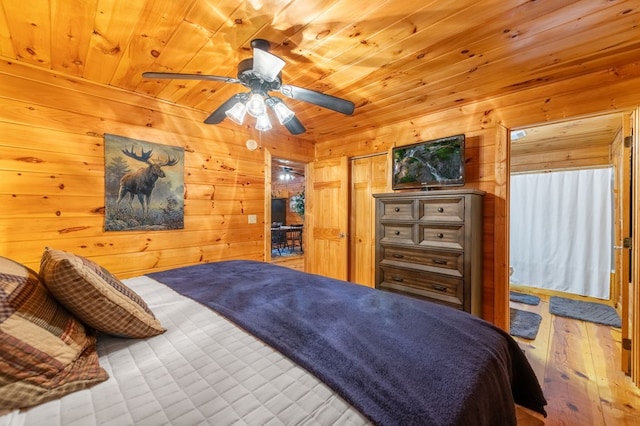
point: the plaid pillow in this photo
(44, 351)
(96, 297)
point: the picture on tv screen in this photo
(435, 163)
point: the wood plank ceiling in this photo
(573, 144)
(394, 60)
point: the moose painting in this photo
(144, 185)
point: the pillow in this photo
(96, 297)
(45, 352)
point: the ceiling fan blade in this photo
(218, 115)
(267, 64)
(317, 98)
(290, 170)
(183, 76)
(294, 126)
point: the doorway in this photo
(563, 155)
(287, 212)
(587, 143)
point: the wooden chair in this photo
(294, 238)
(278, 239)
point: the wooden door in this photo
(621, 282)
(633, 321)
(369, 175)
(327, 218)
(267, 205)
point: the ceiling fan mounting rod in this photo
(260, 43)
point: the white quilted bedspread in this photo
(203, 370)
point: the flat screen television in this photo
(429, 164)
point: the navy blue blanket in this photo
(399, 360)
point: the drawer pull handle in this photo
(439, 288)
(397, 279)
(440, 210)
(397, 209)
(398, 256)
(440, 235)
(397, 232)
(439, 261)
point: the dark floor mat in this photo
(524, 324)
(528, 299)
(586, 311)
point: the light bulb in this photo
(237, 112)
(283, 112)
(256, 106)
(262, 123)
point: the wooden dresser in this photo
(429, 245)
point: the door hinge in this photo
(626, 242)
(626, 344)
(628, 141)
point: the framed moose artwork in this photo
(144, 185)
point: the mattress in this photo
(202, 370)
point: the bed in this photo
(254, 343)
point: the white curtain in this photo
(561, 231)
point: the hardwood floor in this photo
(293, 261)
(578, 366)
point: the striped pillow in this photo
(44, 351)
(96, 297)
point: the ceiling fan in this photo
(288, 173)
(261, 75)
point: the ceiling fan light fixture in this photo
(237, 112)
(263, 123)
(283, 112)
(261, 75)
(287, 174)
(256, 106)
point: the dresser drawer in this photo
(397, 210)
(431, 286)
(447, 236)
(397, 233)
(442, 209)
(424, 259)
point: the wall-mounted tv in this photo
(429, 164)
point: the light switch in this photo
(253, 218)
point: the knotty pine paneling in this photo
(392, 59)
(33, 97)
(558, 160)
(139, 262)
(52, 175)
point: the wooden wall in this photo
(52, 175)
(486, 125)
(574, 144)
(561, 159)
